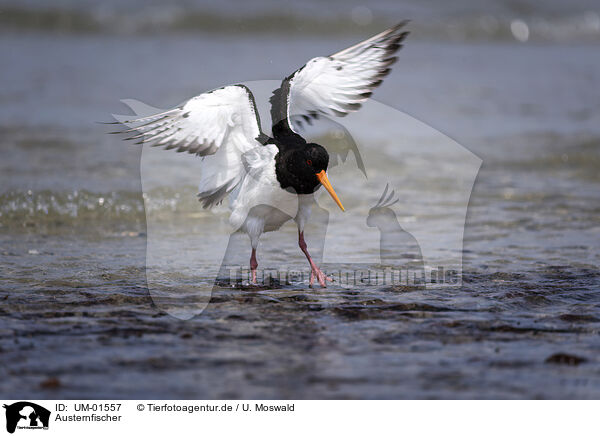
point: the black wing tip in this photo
(401, 24)
(353, 106)
(395, 37)
(400, 38)
(395, 43)
(339, 113)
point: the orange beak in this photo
(322, 176)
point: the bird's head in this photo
(311, 165)
(315, 157)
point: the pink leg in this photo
(315, 271)
(253, 265)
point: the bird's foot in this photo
(320, 276)
(253, 281)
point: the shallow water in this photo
(74, 301)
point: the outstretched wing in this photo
(219, 125)
(336, 85)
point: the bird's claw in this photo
(321, 277)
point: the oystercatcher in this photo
(267, 177)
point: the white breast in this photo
(260, 204)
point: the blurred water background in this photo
(515, 82)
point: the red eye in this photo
(309, 162)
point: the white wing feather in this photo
(337, 85)
(220, 125)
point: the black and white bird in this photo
(267, 177)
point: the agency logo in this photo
(26, 415)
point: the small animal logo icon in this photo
(26, 415)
